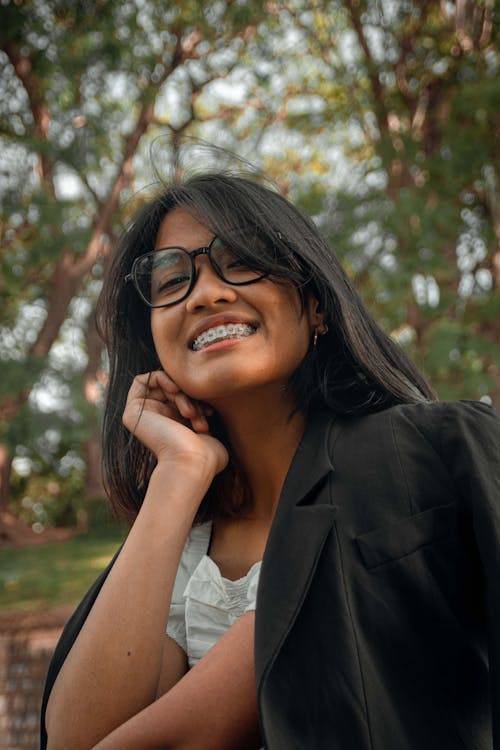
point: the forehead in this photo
(183, 227)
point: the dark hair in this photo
(355, 369)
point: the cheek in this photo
(155, 332)
(296, 324)
(302, 343)
(292, 342)
(164, 337)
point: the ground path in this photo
(27, 641)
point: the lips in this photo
(218, 320)
(222, 332)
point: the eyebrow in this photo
(165, 260)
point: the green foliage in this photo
(47, 487)
(19, 375)
(464, 368)
(417, 223)
(45, 499)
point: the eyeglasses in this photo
(166, 276)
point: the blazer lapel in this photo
(301, 525)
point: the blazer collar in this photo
(312, 460)
(300, 527)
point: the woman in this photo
(314, 556)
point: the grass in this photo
(41, 577)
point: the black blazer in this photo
(378, 610)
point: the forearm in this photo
(111, 673)
(213, 707)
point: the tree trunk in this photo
(93, 470)
(5, 471)
(94, 380)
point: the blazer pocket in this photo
(406, 536)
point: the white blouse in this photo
(204, 603)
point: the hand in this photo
(170, 424)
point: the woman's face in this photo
(265, 333)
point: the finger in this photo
(200, 424)
(159, 386)
(146, 386)
(166, 382)
(196, 420)
(140, 386)
(187, 406)
(191, 410)
(156, 394)
(178, 407)
(145, 378)
(136, 410)
(154, 379)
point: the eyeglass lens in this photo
(164, 276)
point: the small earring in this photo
(319, 331)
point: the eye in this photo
(169, 274)
(234, 268)
(236, 263)
(169, 285)
(227, 260)
(172, 282)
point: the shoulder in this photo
(427, 432)
(424, 454)
(430, 419)
(198, 541)
(435, 412)
(196, 547)
(448, 424)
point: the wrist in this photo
(183, 479)
(174, 495)
(195, 467)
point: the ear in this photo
(316, 316)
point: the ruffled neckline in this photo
(207, 585)
(207, 568)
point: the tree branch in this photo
(41, 116)
(372, 71)
(70, 271)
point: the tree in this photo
(415, 88)
(380, 119)
(72, 120)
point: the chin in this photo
(209, 394)
(230, 388)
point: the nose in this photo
(208, 288)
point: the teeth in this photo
(219, 333)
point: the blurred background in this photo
(380, 119)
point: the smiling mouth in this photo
(222, 333)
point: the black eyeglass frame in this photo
(192, 254)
